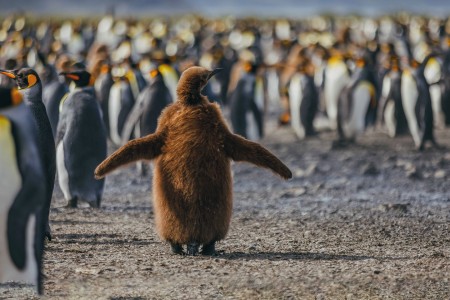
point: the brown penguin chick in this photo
(192, 182)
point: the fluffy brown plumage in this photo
(192, 183)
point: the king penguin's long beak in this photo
(8, 73)
(214, 72)
(69, 75)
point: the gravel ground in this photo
(370, 221)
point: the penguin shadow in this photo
(100, 239)
(15, 285)
(306, 256)
(74, 222)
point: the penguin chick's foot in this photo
(176, 248)
(192, 249)
(209, 249)
(72, 203)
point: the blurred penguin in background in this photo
(103, 84)
(417, 104)
(53, 92)
(143, 119)
(357, 103)
(80, 142)
(120, 103)
(445, 85)
(247, 104)
(391, 111)
(303, 100)
(336, 77)
(169, 74)
(433, 74)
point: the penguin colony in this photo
(68, 88)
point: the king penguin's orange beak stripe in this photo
(73, 76)
(9, 74)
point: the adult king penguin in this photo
(303, 101)
(31, 87)
(335, 78)
(52, 93)
(391, 107)
(102, 86)
(416, 100)
(357, 103)
(80, 143)
(120, 104)
(445, 100)
(192, 183)
(143, 118)
(23, 197)
(247, 104)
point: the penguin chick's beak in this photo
(214, 72)
(8, 73)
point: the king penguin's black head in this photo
(81, 78)
(25, 78)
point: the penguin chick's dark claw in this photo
(192, 183)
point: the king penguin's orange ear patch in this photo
(247, 67)
(32, 79)
(153, 73)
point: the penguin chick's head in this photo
(25, 78)
(191, 83)
(81, 78)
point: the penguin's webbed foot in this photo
(209, 249)
(311, 134)
(192, 249)
(339, 144)
(177, 248)
(96, 203)
(72, 203)
(437, 146)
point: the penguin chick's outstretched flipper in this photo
(147, 148)
(240, 149)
